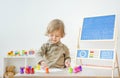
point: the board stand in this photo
(86, 53)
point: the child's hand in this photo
(67, 63)
(43, 65)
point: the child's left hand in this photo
(67, 63)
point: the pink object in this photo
(77, 69)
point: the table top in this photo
(63, 73)
(52, 74)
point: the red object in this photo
(32, 71)
(25, 53)
(27, 70)
(77, 69)
(47, 70)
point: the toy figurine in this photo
(80, 67)
(27, 70)
(70, 70)
(37, 67)
(10, 53)
(17, 53)
(31, 52)
(47, 70)
(10, 71)
(77, 69)
(32, 71)
(21, 70)
(24, 52)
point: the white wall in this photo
(23, 22)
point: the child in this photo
(54, 54)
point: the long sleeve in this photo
(67, 53)
(40, 53)
(53, 54)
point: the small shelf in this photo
(30, 56)
(19, 61)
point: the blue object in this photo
(98, 28)
(106, 54)
(82, 53)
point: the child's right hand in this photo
(67, 63)
(43, 65)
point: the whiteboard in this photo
(98, 28)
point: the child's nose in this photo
(54, 37)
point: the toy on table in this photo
(21, 70)
(27, 70)
(47, 70)
(37, 67)
(10, 71)
(32, 71)
(70, 70)
(80, 67)
(77, 69)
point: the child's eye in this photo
(51, 35)
(57, 36)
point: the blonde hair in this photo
(54, 25)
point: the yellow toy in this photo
(37, 67)
(10, 53)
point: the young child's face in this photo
(55, 36)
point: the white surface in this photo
(23, 22)
(92, 72)
(50, 70)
